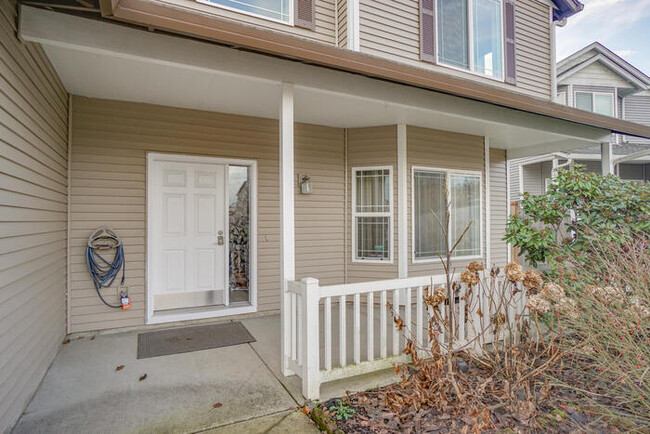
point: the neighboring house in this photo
(338, 121)
(597, 80)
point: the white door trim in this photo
(152, 318)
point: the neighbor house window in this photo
(372, 219)
(430, 213)
(470, 35)
(278, 10)
(602, 103)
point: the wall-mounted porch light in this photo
(304, 181)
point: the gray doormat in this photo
(188, 339)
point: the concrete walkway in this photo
(231, 389)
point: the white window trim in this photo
(470, 44)
(593, 100)
(218, 311)
(448, 173)
(253, 14)
(389, 214)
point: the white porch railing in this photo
(311, 304)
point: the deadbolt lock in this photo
(220, 238)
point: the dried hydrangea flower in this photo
(532, 281)
(538, 304)
(553, 292)
(475, 267)
(514, 272)
(469, 277)
(566, 307)
(435, 297)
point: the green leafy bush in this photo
(577, 208)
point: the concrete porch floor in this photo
(83, 393)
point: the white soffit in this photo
(104, 60)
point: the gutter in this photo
(154, 14)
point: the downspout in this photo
(345, 206)
(68, 228)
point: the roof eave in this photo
(566, 9)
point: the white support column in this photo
(402, 206)
(606, 158)
(287, 224)
(310, 340)
(488, 209)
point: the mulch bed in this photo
(543, 409)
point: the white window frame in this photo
(253, 14)
(593, 100)
(448, 173)
(389, 214)
(470, 43)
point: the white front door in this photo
(188, 235)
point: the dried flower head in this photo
(553, 292)
(537, 304)
(607, 293)
(475, 267)
(469, 277)
(532, 281)
(435, 297)
(514, 272)
(566, 307)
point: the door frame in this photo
(217, 311)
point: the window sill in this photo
(438, 260)
(372, 261)
(470, 72)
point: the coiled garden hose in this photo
(103, 271)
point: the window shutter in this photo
(304, 14)
(427, 28)
(510, 52)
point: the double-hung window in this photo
(430, 213)
(470, 35)
(372, 214)
(278, 10)
(602, 103)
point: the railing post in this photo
(310, 340)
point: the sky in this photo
(623, 26)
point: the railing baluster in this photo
(370, 338)
(328, 333)
(382, 325)
(293, 327)
(299, 322)
(407, 310)
(357, 328)
(396, 348)
(342, 332)
(418, 315)
(461, 314)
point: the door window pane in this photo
(488, 37)
(239, 232)
(429, 198)
(274, 9)
(452, 33)
(373, 238)
(584, 101)
(466, 209)
(604, 104)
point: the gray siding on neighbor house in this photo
(631, 171)
(391, 29)
(108, 178)
(498, 207)
(636, 108)
(596, 74)
(33, 212)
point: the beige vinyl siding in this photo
(390, 29)
(110, 142)
(325, 18)
(440, 150)
(373, 146)
(320, 235)
(33, 211)
(498, 207)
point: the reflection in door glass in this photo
(239, 216)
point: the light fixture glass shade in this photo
(305, 186)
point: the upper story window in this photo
(470, 35)
(278, 10)
(372, 214)
(602, 103)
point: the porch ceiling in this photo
(104, 60)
